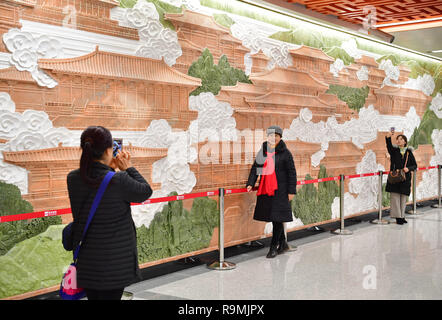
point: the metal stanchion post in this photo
(379, 220)
(342, 231)
(439, 178)
(413, 211)
(221, 264)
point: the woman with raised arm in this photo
(401, 157)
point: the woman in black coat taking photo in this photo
(401, 157)
(108, 259)
(274, 164)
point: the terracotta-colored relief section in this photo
(87, 15)
(48, 169)
(196, 30)
(124, 92)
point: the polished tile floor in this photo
(375, 262)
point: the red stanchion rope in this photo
(58, 212)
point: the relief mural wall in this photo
(191, 86)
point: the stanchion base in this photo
(413, 213)
(377, 221)
(342, 232)
(225, 265)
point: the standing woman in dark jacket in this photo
(274, 164)
(399, 192)
(108, 259)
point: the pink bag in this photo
(68, 288)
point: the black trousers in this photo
(114, 294)
(278, 234)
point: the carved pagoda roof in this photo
(12, 73)
(288, 77)
(402, 92)
(72, 154)
(196, 20)
(310, 52)
(119, 66)
(289, 99)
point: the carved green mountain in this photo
(35, 263)
(214, 76)
(14, 232)
(313, 204)
(175, 230)
(354, 97)
(422, 134)
(223, 19)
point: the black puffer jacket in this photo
(397, 161)
(108, 258)
(275, 208)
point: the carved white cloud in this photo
(48, 48)
(6, 103)
(428, 186)
(10, 124)
(36, 121)
(27, 140)
(26, 49)
(366, 188)
(24, 59)
(156, 42)
(336, 67)
(351, 48)
(391, 72)
(362, 73)
(214, 122)
(305, 115)
(156, 135)
(251, 38)
(42, 78)
(423, 83)
(152, 30)
(359, 131)
(15, 39)
(14, 175)
(436, 105)
(30, 130)
(54, 136)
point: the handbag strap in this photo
(406, 160)
(94, 207)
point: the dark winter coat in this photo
(275, 208)
(108, 257)
(397, 161)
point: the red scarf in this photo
(268, 183)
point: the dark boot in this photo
(283, 247)
(272, 252)
(404, 221)
(399, 221)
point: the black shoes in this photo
(401, 220)
(283, 247)
(272, 252)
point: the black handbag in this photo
(397, 175)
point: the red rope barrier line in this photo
(58, 212)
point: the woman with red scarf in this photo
(274, 164)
